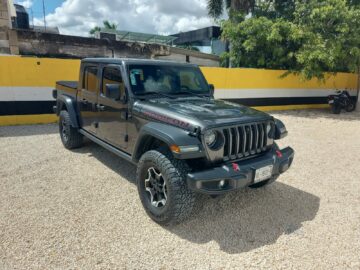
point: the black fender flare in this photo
(280, 130)
(70, 104)
(170, 135)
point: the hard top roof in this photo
(133, 61)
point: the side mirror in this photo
(212, 89)
(113, 91)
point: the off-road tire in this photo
(72, 138)
(180, 199)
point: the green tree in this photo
(263, 43)
(332, 37)
(273, 9)
(94, 30)
(216, 8)
(107, 26)
(316, 37)
(110, 26)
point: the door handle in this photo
(100, 107)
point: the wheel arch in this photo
(68, 104)
(154, 135)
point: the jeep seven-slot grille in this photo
(245, 140)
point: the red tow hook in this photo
(236, 167)
(279, 154)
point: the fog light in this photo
(221, 183)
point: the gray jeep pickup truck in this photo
(162, 116)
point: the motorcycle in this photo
(342, 100)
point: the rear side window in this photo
(90, 79)
(112, 75)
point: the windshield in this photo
(167, 79)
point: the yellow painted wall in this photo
(248, 78)
(32, 71)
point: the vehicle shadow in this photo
(238, 222)
(248, 219)
(121, 166)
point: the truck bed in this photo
(68, 87)
(68, 84)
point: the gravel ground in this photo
(80, 210)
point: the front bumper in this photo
(239, 174)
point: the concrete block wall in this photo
(4, 27)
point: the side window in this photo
(112, 76)
(90, 79)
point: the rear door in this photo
(112, 112)
(88, 97)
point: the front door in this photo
(88, 98)
(112, 111)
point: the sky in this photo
(77, 17)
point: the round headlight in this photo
(210, 137)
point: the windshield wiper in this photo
(155, 93)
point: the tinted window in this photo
(166, 79)
(90, 79)
(112, 75)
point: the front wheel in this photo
(161, 183)
(336, 109)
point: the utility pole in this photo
(43, 2)
(358, 90)
(32, 17)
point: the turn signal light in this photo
(175, 148)
(184, 149)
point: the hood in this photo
(203, 112)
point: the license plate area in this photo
(263, 173)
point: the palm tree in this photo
(94, 30)
(216, 7)
(107, 25)
(110, 26)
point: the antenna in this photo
(43, 2)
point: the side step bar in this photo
(107, 146)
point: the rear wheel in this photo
(70, 136)
(161, 182)
(350, 106)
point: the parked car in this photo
(162, 116)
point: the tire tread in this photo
(176, 171)
(75, 138)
